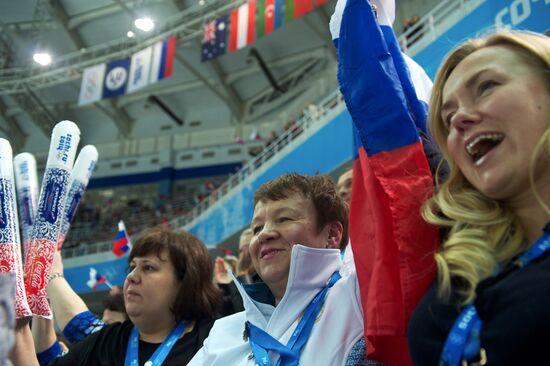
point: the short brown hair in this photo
(197, 297)
(114, 302)
(320, 189)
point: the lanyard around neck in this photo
(161, 352)
(463, 341)
(289, 355)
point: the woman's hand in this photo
(221, 271)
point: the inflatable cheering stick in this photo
(10, 245)
(78, 181)
(47, 221)
(26, 185)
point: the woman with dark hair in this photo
(170, 300)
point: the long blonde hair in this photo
(483, 232)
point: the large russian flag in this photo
(162, 64)
(242, 26)
(393, 246)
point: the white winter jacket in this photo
(339, 325)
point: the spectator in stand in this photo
(415, 30)
(272, 137)
(297, 220)
(169, 298)
(344, 185)
(245, 270)
(231, 262)
(113, 308)
(313, 111)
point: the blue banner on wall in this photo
(533, 15)
(114, 270)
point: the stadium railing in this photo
(426, 30)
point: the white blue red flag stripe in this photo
(122, 241)
(393, 246)
(162, 64)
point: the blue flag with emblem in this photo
(116, 78)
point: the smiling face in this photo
(150, 288)
(496, 108)
(277, 226)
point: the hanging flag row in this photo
(250, 21)
(127, 75)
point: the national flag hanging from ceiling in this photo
(162, 63)
(116, 78)
(242, 28)
(140, 67)
(270, 16)
(393, 246)
(297, 8)
(122, 242)
(214, 39)
(91, 88)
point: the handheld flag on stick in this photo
(393, 247)
(96, 279)
(122, 241)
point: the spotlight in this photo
(130, 34)
(144, 24)
(42, 58)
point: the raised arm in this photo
(65, 303)
(392, 245)
(23, 353)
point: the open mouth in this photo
(482, 144)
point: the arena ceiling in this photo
(225, 94)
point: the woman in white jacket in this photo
(305, 311)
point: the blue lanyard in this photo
(162, 351)
(463, 341)
(289, 355)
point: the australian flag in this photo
(214, 40)
(122, 241)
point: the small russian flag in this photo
(96, 279)
(163, 60)
(122, 241)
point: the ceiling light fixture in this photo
(42, 58)
(144, 24)
(130, 34)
